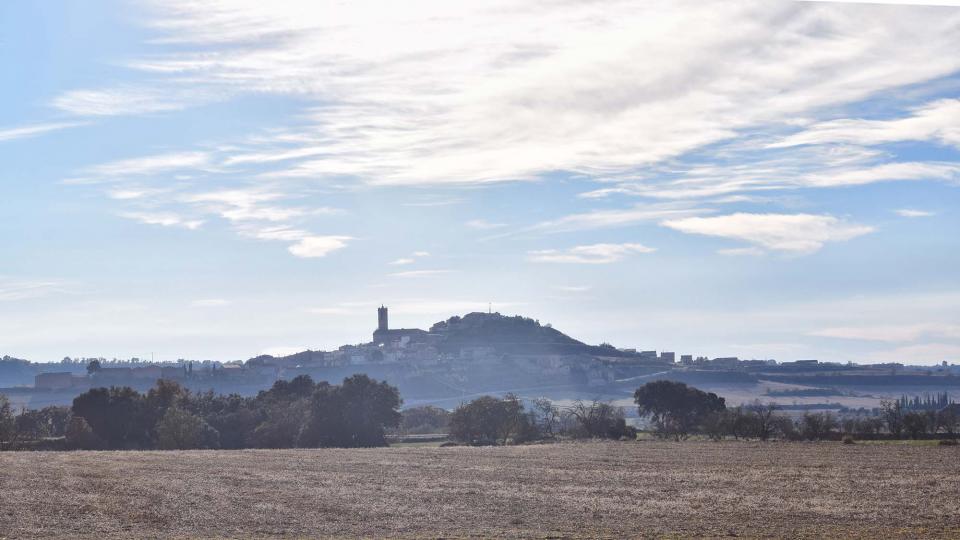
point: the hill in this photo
(510, 335)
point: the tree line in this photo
(295, 413)
(360, 412)
(677, 411)
(491, 420)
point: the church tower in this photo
(382, 319)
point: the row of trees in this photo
(491, 420)
(358, 413)
(676, 410)
(295, 413)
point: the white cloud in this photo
(883, 173)
(411, 259)
(34, 130)
(483, 225)
(744, 171)
(574, 288)
(155, 164)
(237, 205)
(938, 121)
(210, 302)
(318, 246)
(124, 101)
(453, 92)
(911, 213)
(600, 219)
(164, 219)
(797, 234)
(589, 254)
(131, 194)
(897, 2)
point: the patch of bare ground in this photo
(561, 490)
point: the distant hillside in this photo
(510, 335)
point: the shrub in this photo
(180, 430)
(599, 419)
(424, 419)
(817, 426)
(80, 436)
(847, 439)
(8, 423)
(489, 420)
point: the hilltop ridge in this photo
(510, 335)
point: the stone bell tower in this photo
(382, 324)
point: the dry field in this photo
(561, 490)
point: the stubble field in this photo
(559, 490)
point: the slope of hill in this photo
(510, 335)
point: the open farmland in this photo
(567, 490)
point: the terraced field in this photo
(608, 489)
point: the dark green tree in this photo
(118, 416)
(180, 430)
(353, 414)
(675, 409)
(490, 420)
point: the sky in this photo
(221, 179)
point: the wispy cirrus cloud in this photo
(162, 189)
(238, 205)
(126, 100)
(466, 94)
(35, 130)
(164, 219)
(574, 288)
(402, 261)
(938, 121)
(483, 225)
(913, 213)
(742, 173)
(797, 234)
(608, 218)
(588, 254)
(153, 164)
(612, 93)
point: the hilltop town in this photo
(486, 353)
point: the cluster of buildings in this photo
(145, 374)
(457, 350)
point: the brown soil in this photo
(562, 490)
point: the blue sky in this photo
(221, 179)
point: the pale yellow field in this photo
(560, 490)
